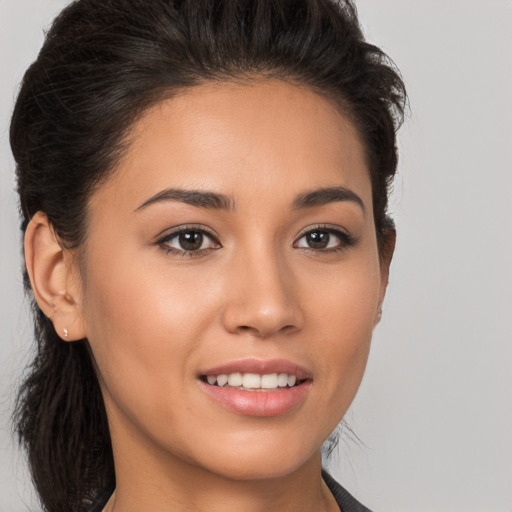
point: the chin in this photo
(259, 462)
(249, 471)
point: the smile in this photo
(253, 381)
(252, 387)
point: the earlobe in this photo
(53, 278)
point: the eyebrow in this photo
(216, 201)
(199, 198)
(322, 196)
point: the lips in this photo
(257, 388)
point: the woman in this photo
(203, 187)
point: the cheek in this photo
(342, 309)
(143, 327)
(137, 299)
(344, 299)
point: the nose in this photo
(261, 298)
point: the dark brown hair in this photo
(103, 63)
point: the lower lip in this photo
(258, 403)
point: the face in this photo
(235, 242)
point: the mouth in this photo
(253, 387)
(253, 381)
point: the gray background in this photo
(434, 412)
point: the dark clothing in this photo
(345, 500)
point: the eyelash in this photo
(345, 240)
(162, 242)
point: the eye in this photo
(188, 240)
(326, 238)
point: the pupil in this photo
(318, 239)
(191, 240)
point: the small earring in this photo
(379, 311)
(65, 333)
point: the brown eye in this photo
(188, 240)
(318, 239)
(327, 239)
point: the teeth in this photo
(253, 380)
(222, 380)
(282, 380)
(235, 380)
(269, 381)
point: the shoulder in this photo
(345, 500)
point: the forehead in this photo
(267, 134)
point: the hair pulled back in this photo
(103, 63)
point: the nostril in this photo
(248, 329)
(261, 319)
(264, 333)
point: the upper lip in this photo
(260, 367)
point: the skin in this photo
(156, 319)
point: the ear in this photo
(388, 248)
(54, 278)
